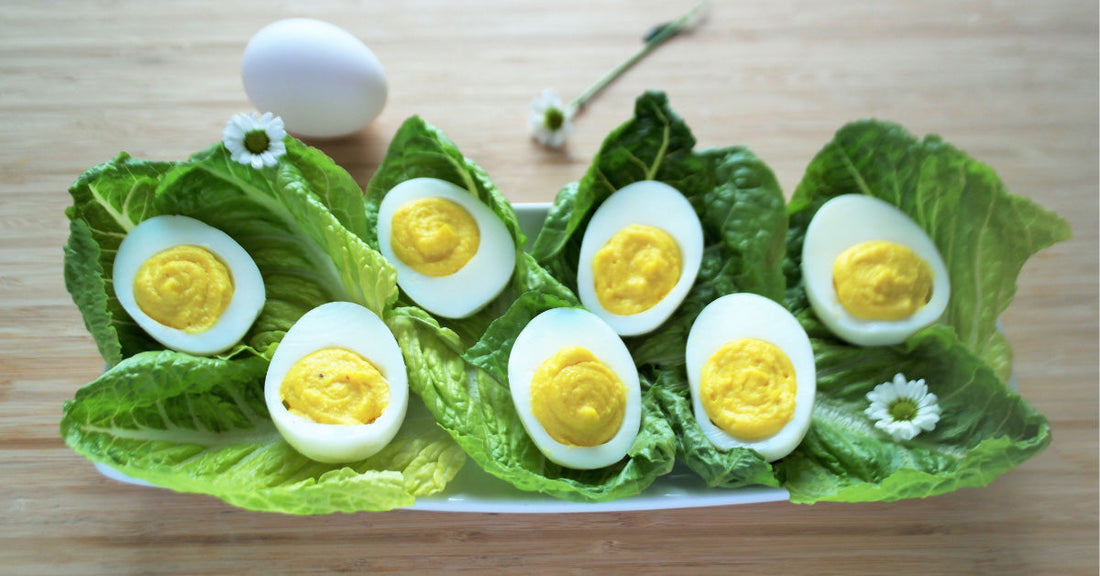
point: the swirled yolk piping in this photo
(185, 287)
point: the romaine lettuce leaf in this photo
(467, 391)
(196, 424)
(332, 185)
(742, 210)
(301, 222)
(734, 193)
(421, 150)
(305, 254)
(723, 469)
(459, 367)
(985, 236)
(108, 201)
(984, 233)
(200, 424)
(985, 428)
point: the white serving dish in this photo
(474, 490)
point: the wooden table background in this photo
(1012, 82)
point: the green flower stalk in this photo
(550, 121)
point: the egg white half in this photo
(161, 233)
(745, 315)
(473, 286)
(543, 337)
(852, 219)
(352, 327)
(647, 203)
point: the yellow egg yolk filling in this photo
(434, 236)
(577, 398)
(635, 269)
(748, 388)
(335, 386)
(184, 287)
(882, 280)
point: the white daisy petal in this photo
(233, 132)
(276, 132)
(876, 412)
(236, 149)
(277, 148)
(926, 422)
(904, 430)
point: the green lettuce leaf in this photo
(467, 392)
(985, 428)
(421, 150)
(736, 196)
(984, 233)
(301, 221)
(201, 425)
(743, 213)
(734, 468)
(332, 185)
(305, 254)
(108, 201)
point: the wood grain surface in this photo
(1014, 83)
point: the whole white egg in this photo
(739, 316)
(322, 80)
(481, 279)
(347, 326)
(646, 203)
(161, 233)
(543, 337)
(852, 219)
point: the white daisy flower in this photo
(903, 408)
(255, 140)
(550, 122)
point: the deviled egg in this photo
(452, 253)
(336, 387)
(752, 375)
(575, 388)
(639, 256)
(872, 275)
(188, 285)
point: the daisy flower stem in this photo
(550, 122)
(657, 36)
